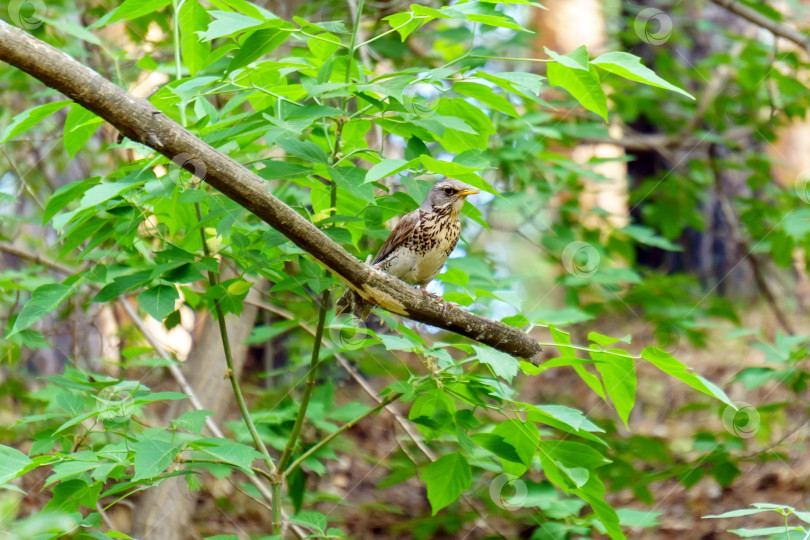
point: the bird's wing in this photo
(402, 231)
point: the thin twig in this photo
(742, 245)
(791, 34)
(310, 386)
(5, 247)
(348, 425)
(231, 371)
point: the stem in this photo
(352, 49)
(299, 420)
(313, 371)
(231, 373)
(510, 59)
(178, 58)
(348, 425)
(394, 29)
(259, 471)
(588, 349)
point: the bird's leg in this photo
(445, 303)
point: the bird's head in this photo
(447, 196)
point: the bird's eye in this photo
(448, 190)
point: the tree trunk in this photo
(164, 512)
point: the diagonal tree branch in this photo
(791, 34)
(140, 121)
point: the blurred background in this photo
(679, 223)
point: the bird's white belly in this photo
(417, 269)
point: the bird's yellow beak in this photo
(468, 191)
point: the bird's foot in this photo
(445, 304)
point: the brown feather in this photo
(401, 232)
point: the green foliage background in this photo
(350, 124)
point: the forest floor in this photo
(353, 494)
(662, 411)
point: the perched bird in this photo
(419, 245)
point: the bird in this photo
(419, 245)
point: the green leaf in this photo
(30, 118)
(153, 455)
(195, 52)
(456, 170)
(563, 340)
(103, 192)
(502, 364)
(64, 195)
(306, 150)
(352, 180)
(131, 9)
(226, 23)
(237, 454)
(573, 418)
(277, 170)
(392, 85)
(405, 23)
(158, 301)
(630, 67)
(192, 420)
(629, 517)
(80, 125)
(12, 463)
(497, 445)
(524, 437)
(574, 454)
(577, 59)
(44, 300)
(742, 512)
(796, 224)
(68, 496)
(323, 45)
(66, 469)
(456, 140)
(530, 81)
(538, 414)
(606, 341)
(446, 479)
(619, 377)
(644, 235)
(76, 30)
(258, 44)
(388, 167)
(582, 85)
(485, 95)
(669, 365)
(432, 412)
(311, 520)
(123, 284)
